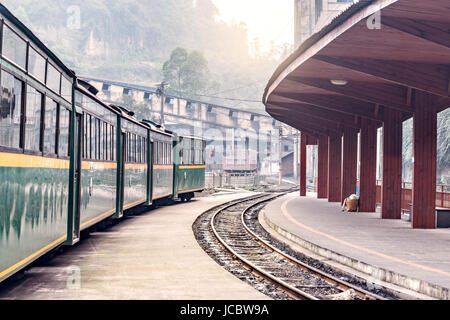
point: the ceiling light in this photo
(339, 82)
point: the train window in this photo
(53, 78)
(113, 144)
(50, 126)
(10, 111)
(94, 147)
(101, 141)
(157, 153)
(133, 150)
(88, 137)
(128, 146)
(66, 89)
(170, 153)
(63, 141)
(139, 150)
(14, 47)
(93, 138)
(165, 153)
(107, 142)
(36, 65)
(144, 150)
(84, 152)
(83, 137)
(33, 120)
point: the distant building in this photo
(238, 141)
(313, 15)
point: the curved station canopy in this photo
(377, 64)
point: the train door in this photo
(123, 145)
(150, 169)
(74, 217)
(78, 147)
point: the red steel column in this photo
(424, 162)
(368, 169)
(391, 182)
(334, 167)
(349, 163)
(322, 170)
(302, 164)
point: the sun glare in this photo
(266, 20)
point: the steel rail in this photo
(340, 284)
(290, 290)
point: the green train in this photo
(68, 161)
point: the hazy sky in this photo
(266, 19)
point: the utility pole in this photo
(162, 92)
(280, 154)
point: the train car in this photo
(189, 166)
(68, 161)
(36, 112)
(133, 144)
(162, 165)
(97, 162)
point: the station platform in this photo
(387, 251)
(152, 256)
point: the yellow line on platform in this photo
(349, 244)
(33, 256)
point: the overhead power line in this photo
(215, 97)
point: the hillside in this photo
(130, 40)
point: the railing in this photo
(442, 195)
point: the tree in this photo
(173, 68)
(187, 72)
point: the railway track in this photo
(228, 226)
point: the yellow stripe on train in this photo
(192, 167)
(14, 160)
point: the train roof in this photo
(35, 40)
(84, 90)
(193, 137)
(157, 127)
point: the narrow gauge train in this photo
(69, 161)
